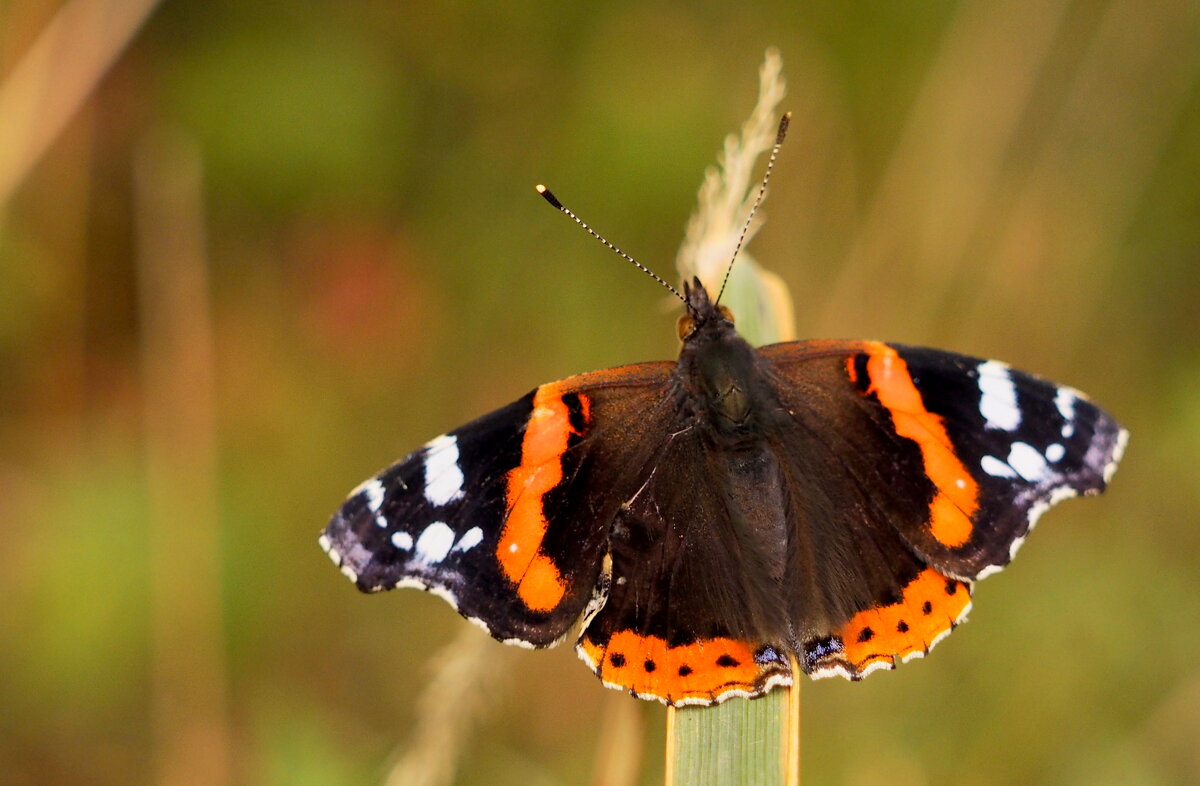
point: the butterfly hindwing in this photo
(693, 610)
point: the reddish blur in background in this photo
(252, 252)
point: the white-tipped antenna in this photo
(553, 200)
(762, 190)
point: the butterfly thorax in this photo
(719, 376)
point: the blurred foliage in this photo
(1011, 179)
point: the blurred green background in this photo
(282, 244)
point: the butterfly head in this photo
(702, 314)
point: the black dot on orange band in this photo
(866, 634)
(951, 586)
(617, 660)
(927, 608)
(902, 627)
(650, 665)
(685, 670)
(727, 660)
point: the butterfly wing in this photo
(505, 517)
(980, 449)
(959, 455)
(693, 611)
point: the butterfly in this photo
(718, 522)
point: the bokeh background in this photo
(252, 252)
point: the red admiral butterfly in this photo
(711, 518)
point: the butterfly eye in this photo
(725, 312)
(685, 326)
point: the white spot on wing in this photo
(1055, 452)
(998, 399)
(585, 657)
(402, 540)
(1118, 452)
(825, 672)
(989, 570)
(470, 539)
(444, 593)
(434, 543)
(996, 468)
(1028, 462)
(443, 475)
(374, 493)
(1065, 400)
(373, 490)
(874, 666)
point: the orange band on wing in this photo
(701, 672)
(539, 583)
(957, 497)
(930, 607)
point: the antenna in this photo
(762, 189)
(553, 200)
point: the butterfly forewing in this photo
(962, 453)
(1028, 443)
(503, 517)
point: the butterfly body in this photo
(713, 518)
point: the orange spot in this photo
(958, 493)
(539, 584)
(541, 587)
(703, 670)
(947, 521)
(927, 610)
